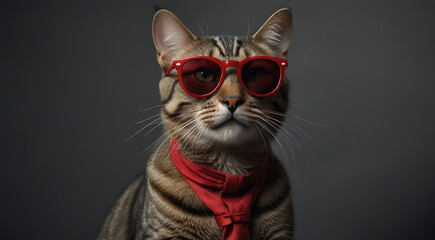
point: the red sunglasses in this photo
(202, 76)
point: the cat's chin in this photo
(231, 133)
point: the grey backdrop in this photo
(75, 73)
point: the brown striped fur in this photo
(160, 204)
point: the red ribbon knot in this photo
(228, 219)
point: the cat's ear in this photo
(170, 36)
(276, 32)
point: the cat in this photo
(222, 116)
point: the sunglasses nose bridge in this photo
(231, 63)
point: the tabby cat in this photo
(222, 105)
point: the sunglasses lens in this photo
(261, 76)
(200, 76)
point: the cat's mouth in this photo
(231, 129)
(231, 120)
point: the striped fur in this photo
(160, 204)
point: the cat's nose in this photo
(232, 102)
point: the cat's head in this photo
(231, 114)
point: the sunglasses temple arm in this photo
(169, 69)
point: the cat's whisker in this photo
(202, 132)
(277, 140)
(169, 134)
(159, 124)
(183, 137)
(155, 142)
(288, 138)
(297, 128)
(141, 121)
(274, 112)
(154, 122)
(140, 130)
(185, 143)
(178, 128)
(151, 123)
(285, 125)
(202, 25)
(198, 138)
(264, 140)
(187, 135)
(305, 134)
(193, 141)
(250, 25)
(158, 149)
(152, 144)
(296, 117)
(287, 141)
(153, 107)
(284, 131)
(273, 135)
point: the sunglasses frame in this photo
(178, 65)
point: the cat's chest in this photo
(264, 222)
(175, 211)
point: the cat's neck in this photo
(230, 159)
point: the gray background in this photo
(75, 73)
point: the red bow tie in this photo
(232, 207)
